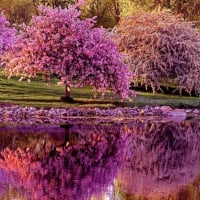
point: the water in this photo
(138, 159)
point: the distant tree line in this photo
(189, 9)
(107, 12)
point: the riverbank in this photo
(17, 114)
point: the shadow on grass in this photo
(137, 102)
(88, 101)
(169, 90)
(40, 100)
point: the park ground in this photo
(39, 94)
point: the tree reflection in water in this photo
(141, 158)
(161, 159)
(84, 165)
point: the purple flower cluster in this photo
(6, 34)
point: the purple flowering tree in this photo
(6, 34)
(58, 42)
(161, 49)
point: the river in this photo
(93, 159)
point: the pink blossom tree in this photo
(6, 34)
(58, 42)
(161, 49)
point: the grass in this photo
(39, 94)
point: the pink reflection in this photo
(80, 161)
(83, 167)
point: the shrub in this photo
(161, 47)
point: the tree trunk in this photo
(117, 11)
(67, 97)
(67, 90)
(180, 8)
(159, 5)
(168, 4)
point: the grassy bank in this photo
(39, 94)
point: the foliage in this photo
(127, 7)
(6, 34)
(56, 3)
(108, 12)
(18, 11)
(101, 10)
(58, 42)
(161, 47)
(189, 9)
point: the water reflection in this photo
(137, 159)
(161, 159)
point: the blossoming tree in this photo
(58, 42)
(161, 47)
(6, 34)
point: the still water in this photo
(137, 159)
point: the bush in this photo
(161, 47)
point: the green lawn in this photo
(39, 94)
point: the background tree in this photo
(56, 3)
(59, 43)
(189, 9)
(101, 10)
(108, 12)
(161, 47)
(18, 11)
